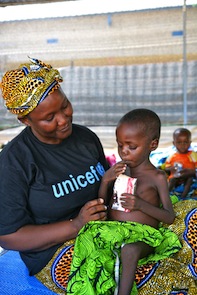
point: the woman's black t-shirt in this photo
(44, 183)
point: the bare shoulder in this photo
(152, 175)
(160, 172)
(156, 174)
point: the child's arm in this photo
(168, 167)
(186, 173)
(108, 178)
(166, 212)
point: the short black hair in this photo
(148, 121)
(182, 130)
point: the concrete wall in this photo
(132, 37)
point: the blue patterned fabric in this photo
(14, 278)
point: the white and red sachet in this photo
(123, 184)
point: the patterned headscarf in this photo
(24, 88)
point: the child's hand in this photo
(173, 170)
(113, 172)
(130, 202)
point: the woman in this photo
(50, 173)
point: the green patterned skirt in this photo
(171, 270)
(95, 263)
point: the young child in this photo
(182, 164)
(107, 253)
(137, 135)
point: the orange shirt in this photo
(188, 160)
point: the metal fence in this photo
(101, 95)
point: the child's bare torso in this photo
(136, 216)
(147, 190)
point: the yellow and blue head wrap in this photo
(26, 87)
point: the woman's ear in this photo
(154, 144)
(24, 120)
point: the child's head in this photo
(182, 140)
(137, 134)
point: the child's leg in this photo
(130, 254)
(187, 186)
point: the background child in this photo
(182, 164)
(138, 134)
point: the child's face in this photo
(134, 146)
(182, 143)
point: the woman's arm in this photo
(41, 237)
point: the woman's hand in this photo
(91, 211)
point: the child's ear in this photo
(154, 144)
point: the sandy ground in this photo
(107, 136)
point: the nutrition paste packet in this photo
(123, 184)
